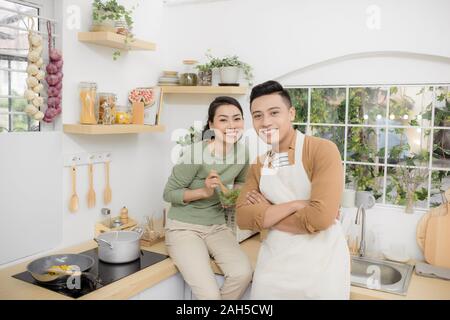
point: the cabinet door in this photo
(169, 289)
(188, 295)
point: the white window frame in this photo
(386, 126)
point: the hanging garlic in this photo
(38, 88)
(35, 39)
(38, 102)
(32, 82)
(31, 110)
(39, 116)
(29, 94)
(40, 75)
(32, 69)
(40, 62)
(33, 56)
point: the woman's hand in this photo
(254, 197)
(211, 182)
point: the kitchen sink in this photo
(381, 275)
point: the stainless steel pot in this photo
(119, 246)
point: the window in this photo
(384, 133)
(13, 64)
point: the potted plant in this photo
(230, 67)
(110, 16)
(204, 74)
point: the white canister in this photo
(348, 198)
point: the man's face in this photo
(272, 118)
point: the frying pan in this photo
(39, 267)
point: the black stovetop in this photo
(100, 275)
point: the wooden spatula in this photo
(107, 195)
(73, 203)
(91, 192)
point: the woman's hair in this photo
(207, 133)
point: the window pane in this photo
(19, 105)
(20, 122)
(301, 128)
(410, 106)
(335, 134)
(14, 42)
(366, 144)
(4, 123)
(440, 182)
(328, 105)
(367, 106)
(442, 107)
(18, 83)
(409, 146)
(400, 180)
(4, 105)
(4, 82)
(299, 97)
(441, 148)
(365, 178)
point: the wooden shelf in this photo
(204, 90)
(111, 129)
(114, 40)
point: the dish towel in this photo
(428, 270)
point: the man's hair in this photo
(270, 87)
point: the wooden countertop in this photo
(11, 288)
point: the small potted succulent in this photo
(204, 74)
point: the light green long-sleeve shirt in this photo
(190, 173)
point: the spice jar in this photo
(88, 95)
(106, 108)
(123, 115)
(189, 76)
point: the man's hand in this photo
(255, 197)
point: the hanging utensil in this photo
(91, 192)
(73, 203)
(107, 195)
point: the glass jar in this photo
(88, 96)
(123, 115)
(106, 108)
(189, 75)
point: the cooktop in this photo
(100, 275)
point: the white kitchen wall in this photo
(278, 38)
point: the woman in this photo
(294, 191)
(195, 228)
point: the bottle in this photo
(124, 215)
(107, 214)
(88, 97)
(189, 76)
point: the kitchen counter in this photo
(11, 288)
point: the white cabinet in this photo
(170, 289)
(188, 295)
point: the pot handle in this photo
(99, 241)
(139, 230)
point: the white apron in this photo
(299, 266)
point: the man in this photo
(294, 190)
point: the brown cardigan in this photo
(322, 162)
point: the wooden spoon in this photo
(91, 192)
(73, 203)
(107, 195)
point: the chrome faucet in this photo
(361, 220)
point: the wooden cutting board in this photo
(433, 235)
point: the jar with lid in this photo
(123, 115)
(106, 108)
(189, 75)
(88, 97)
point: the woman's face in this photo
(228, 124)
